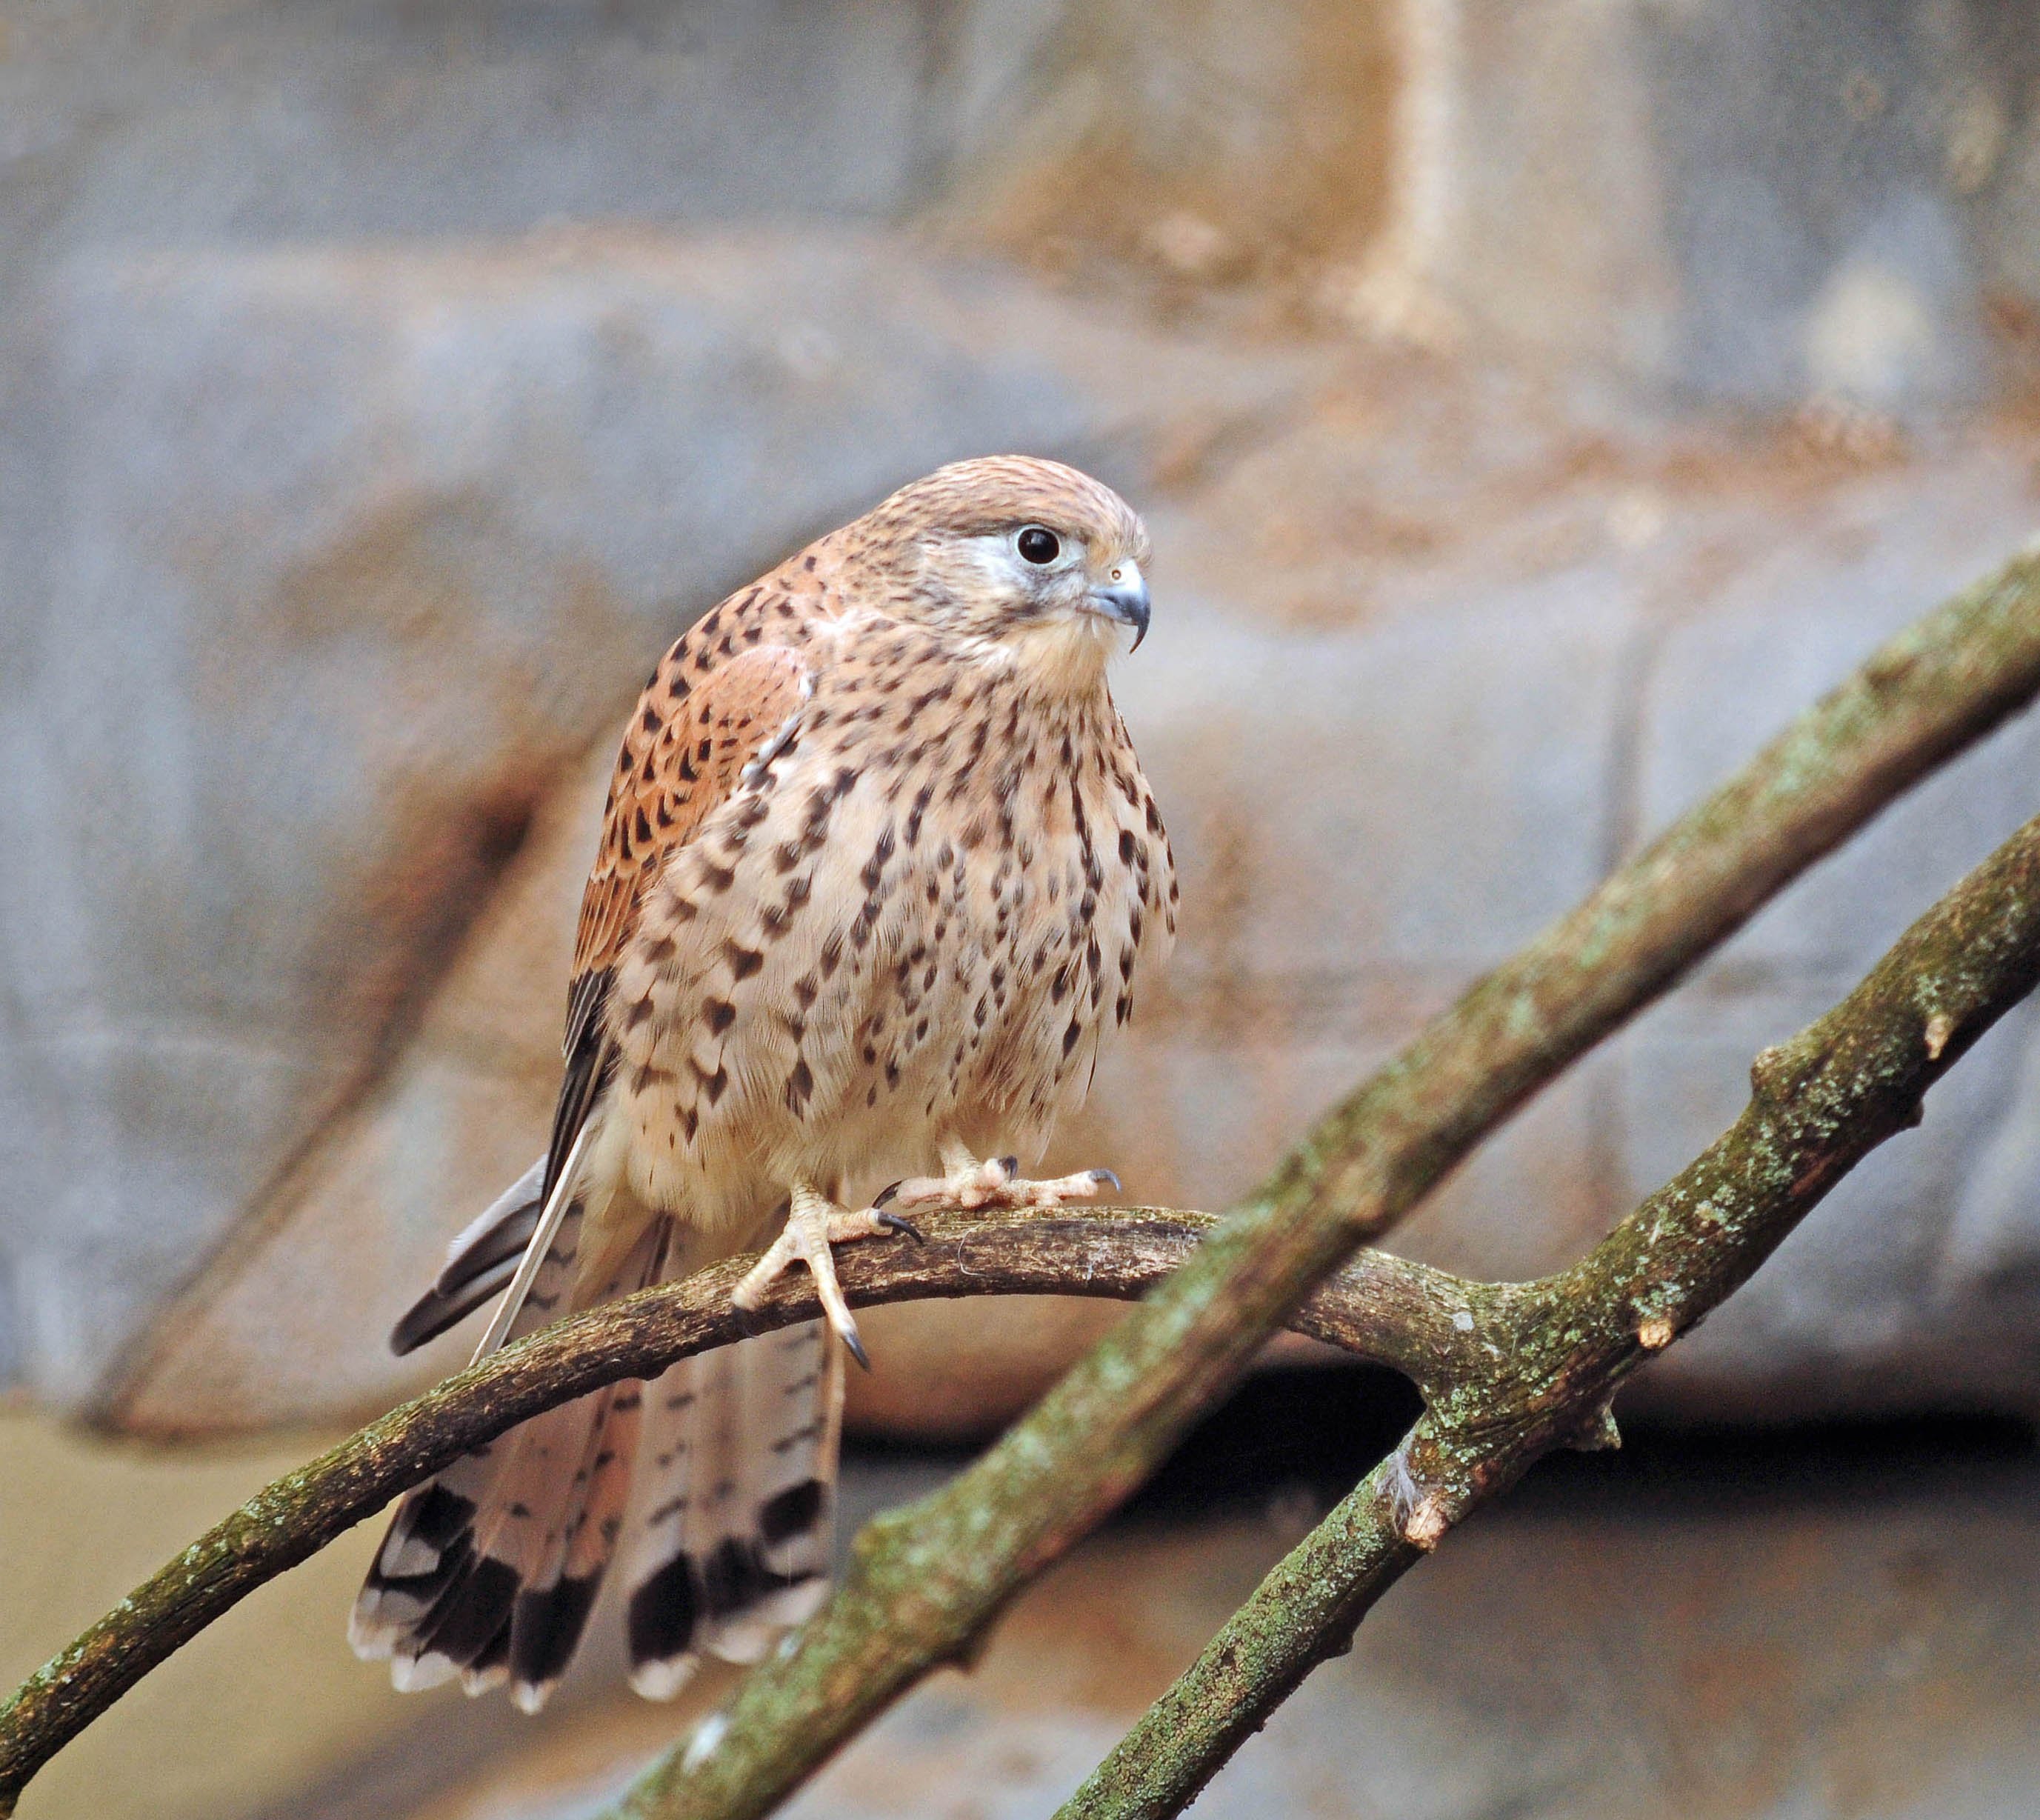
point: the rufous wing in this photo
(702, 720)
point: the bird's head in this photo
(1030, 557)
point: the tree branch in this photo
(1558, 1349)
(924, 1582)
(1382, 1308)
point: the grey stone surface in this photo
(1731, 200)
(205, 123)
(347, 485)
(202, 125)
(1715, 195)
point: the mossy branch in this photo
(925, 1582)
(1382, 1308)
(1554, 1351)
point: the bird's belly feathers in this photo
(853, 962)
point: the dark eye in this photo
(1039, 545)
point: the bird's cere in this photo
(1123, 599)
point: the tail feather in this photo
(442, 1597)
(489, 1571)
(427, 1556)
(555, 1597)
(791, 1384)
(736, 1503)
(720, 1474)
(557, 1592)
(796, 1498)
(662, 1601)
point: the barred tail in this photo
(735, 1511)
(488, 1572)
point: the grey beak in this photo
(1126, 603)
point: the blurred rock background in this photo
(1534, 406)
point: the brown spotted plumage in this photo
(879, 875)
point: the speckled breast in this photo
(920, 916)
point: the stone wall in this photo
(1726, 200)
(386, 384)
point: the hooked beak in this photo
(1123, 600)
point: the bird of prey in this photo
(880, 872)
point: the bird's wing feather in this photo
(481, 1260)
(700, 724)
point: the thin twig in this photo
(924, 1582)
(1558, 1349)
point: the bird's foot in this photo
(813, 1225)
(995, 1183)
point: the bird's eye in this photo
(1039, 545)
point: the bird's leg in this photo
(967, 1183)
(814, 1223)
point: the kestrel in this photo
(879, 874)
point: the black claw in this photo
(897, 1223)
(1010, 1165)
(1102, 1176)
(886, 1194)
(857, 1350)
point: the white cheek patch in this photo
(1006, 574)
(995, 564)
